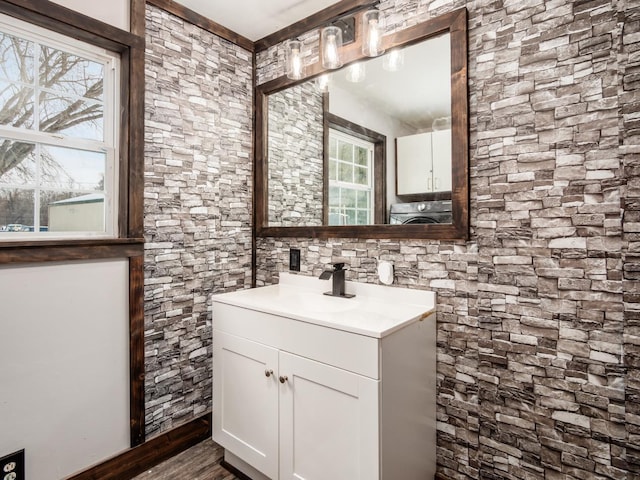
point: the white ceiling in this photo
(255, 19)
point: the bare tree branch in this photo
(56, 72)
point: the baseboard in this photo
(136, 460)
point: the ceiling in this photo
(255, 19)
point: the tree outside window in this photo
(58, 143)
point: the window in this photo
(350, 180)
(58, 135)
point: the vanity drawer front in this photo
(349, 351)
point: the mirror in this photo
(347, 160)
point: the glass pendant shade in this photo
(356, 72)
(372, 30)
(393, 60)
(295, 65)
(323, 83)
(331, 41)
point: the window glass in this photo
(17, 162)
(57, 153)
(16, 59)
(346, 152)
(362, 156)
(71, 116)
(345, 172)
(69, 168)
(64, 72)
(333, 169)
(17, 210)
(16, 105)
(350, 180)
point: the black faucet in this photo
(338, 281)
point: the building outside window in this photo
(350, 180)
(58, 135)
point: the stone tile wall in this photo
(198, 189)
(538, 330)
(296, 139)
(629, 123)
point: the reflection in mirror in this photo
(295, 144)
(386, 156)
(323, 168)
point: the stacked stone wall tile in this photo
(538, 361)
(197, 211)
(296, 146)
(629, 122)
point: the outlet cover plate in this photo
(294, 259)
(12, 466)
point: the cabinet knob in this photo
(268, 373)
(283, 378)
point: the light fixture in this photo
(372, 31)
(323, 83)
(295, 64)
(393, 60)
(331, 42)
(356, 72)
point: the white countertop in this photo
(375, 311)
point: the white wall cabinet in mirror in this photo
(294, 118)
(423, 163)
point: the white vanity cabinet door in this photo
(245, 400)
(329, 425)
(441, 148)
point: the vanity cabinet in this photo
(279, 411)
(423, 163)
(298, 400)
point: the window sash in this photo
(108, 145)
(344, 138)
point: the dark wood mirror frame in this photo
(455, 23)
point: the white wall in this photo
(344, 105)
(114, 12)
(64, 364)
(64, 349)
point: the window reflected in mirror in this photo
(350, 180)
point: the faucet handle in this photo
(338, 266)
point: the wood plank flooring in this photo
(201, 462)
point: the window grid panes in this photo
(350, 180)
(58, 136)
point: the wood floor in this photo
(201, 462)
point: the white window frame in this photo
(370, 147)
(109, 146)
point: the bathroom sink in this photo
(376, 310)
(318, 302)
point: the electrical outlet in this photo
(294, 259)
(12, 466)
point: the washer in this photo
(436, 211)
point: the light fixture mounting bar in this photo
(348, 27)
